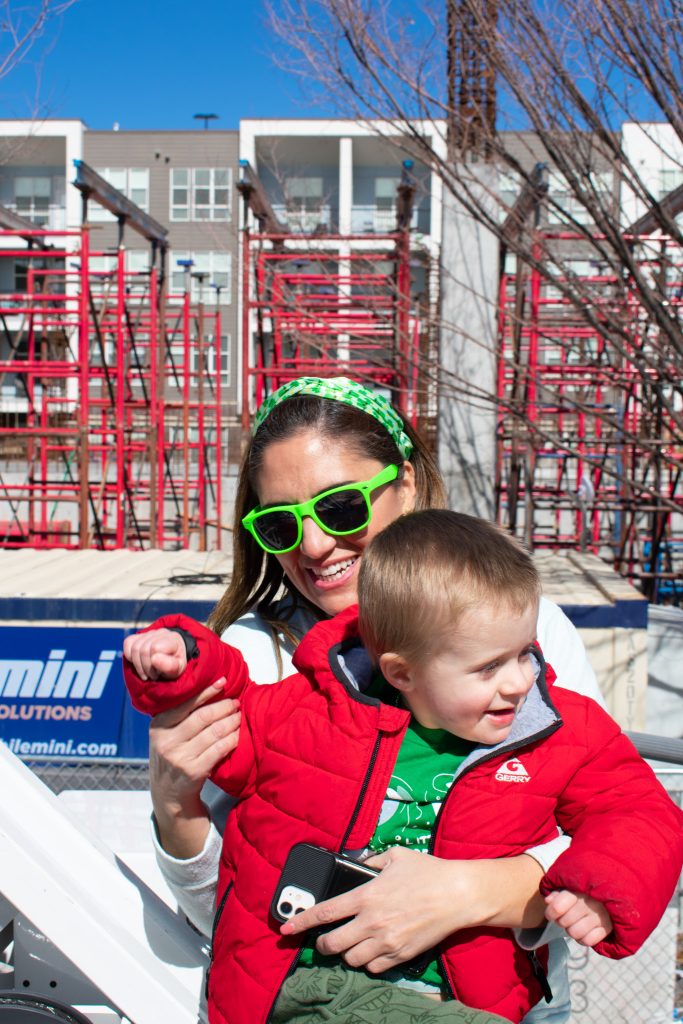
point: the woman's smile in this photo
(326, 576)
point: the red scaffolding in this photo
(588, 443)
(333, 306)
(110, 427)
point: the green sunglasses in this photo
(339, 511)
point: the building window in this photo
(132, 181)
(215, 287)
(200, 193)
(210, 358)
(137, 272)
(101, 268)
(176, 357)
(304, 193)
(602, 183)
(385, 204)
(180, 194)
(510, 267)
(21, 275)
(669, 180)
(305, 208)
(137, 261)
(137, 188)
(385, 193)
(32, 199)
(509, 187)
(377, 215)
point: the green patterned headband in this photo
(349, 392)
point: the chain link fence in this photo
(672, 779)
(123, 776)
(644, 989)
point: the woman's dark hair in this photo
(257, 577)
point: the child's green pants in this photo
(316, 994)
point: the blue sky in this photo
(147, 64)
(154, 64)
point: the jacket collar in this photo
(322, 636)
(538, 717)
(331, 653)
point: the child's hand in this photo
(583, 918)
(157, 654)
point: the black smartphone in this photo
(311, 875)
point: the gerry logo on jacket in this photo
(512, 771)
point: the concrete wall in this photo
(664, 713)
(467, 419)
(619, 659)
(611, 617)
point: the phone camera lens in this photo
(286, 908)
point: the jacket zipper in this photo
(537, 968)
(363, 791)
(216, 920)
(347, 833)
(540, 975)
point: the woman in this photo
(310, 437)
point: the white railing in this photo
(373, 220)
(304, 220)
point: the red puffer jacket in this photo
(313, 764)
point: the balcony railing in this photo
(374, 220)
(306, 221)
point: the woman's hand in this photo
(417, 901)
(157, 654)
(185, 745)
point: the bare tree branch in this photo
(22, 25)
(568, 75)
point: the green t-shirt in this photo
(427, 762)
(423, 774)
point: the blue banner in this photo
(62, 694)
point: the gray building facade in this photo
(186, 181)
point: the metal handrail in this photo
(658, 748)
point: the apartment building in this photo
(322, 177)
(184, 180)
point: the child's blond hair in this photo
(421, 573)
